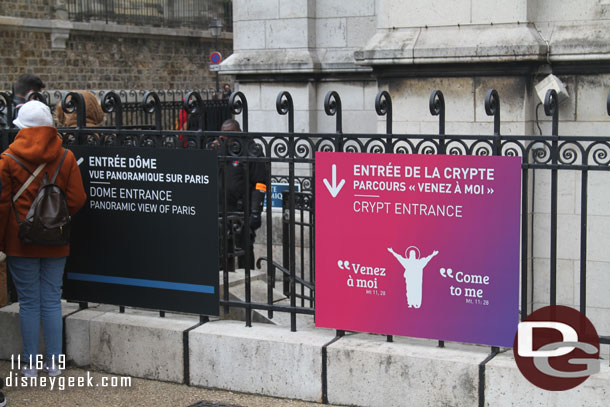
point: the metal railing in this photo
(194, 14)
(552, 154)
(132, 108)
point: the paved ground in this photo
(142, 393)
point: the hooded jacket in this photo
(94, 115)
(33, 146)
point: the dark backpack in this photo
(48, 220)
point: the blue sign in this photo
(277, 189)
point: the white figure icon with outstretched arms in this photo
(414, 272)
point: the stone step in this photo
(258, 293)
(258, 287)
(283, 318)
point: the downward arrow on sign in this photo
(334, 188)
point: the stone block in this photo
(370, 93)
(567, 194)
(389, 47)
(578, 128)
(573, 39)
(331, 32)
(592, 98)
(419, 13)
(512, 93)
(598, 194)
(353, 122)
(367, 371)
(478, 43)
(360, 30)
(339, 59)
(351, 94)
(138, 345)
(562, 10)
(565, 281)
(297, 8)
(339, 8)
(598, 240)
(473, 128)
(277, 225)
(304, 120)
(255, 10)
(599, 318)
(77, 328)
(227, 355)
(568, 242)
(252, 92)
(298, 91)
(249, 35)
(290, 33)
(275, 61)
(410, 99)
(406, 127)
(267, 121)
(597, 286)
(506, 386)
(364, 122)
(485, 12)
(10, 334)
(281, 169)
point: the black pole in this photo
(551, 108)
(217, 84)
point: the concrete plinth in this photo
(506, 386)
(262, 359)
(139, 345)
(365, 370)
(10, 334)
(10, 330)
(78, 347)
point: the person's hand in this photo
(255, 220)
(435, 252)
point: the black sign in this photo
(148, 234)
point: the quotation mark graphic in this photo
(449, 272)
(343, 265)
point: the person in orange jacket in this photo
(36, 270)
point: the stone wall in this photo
(26, 8)
(92, 61)
(72, 55)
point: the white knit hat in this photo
(33, 114)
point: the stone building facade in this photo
(37, 36)
(464, 48)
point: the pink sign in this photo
(419, 245)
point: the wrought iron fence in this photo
(132, 108)
(195, 14)
(552, 154)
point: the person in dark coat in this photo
(24, 84)
(238, 182)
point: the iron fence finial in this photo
(239, 105)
